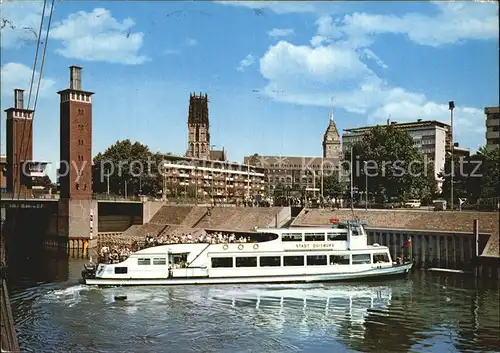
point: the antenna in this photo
(331, 112)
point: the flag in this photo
(407, 244)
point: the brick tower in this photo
(198, 126)
(75, 139)
(331, 140)
(19, 146)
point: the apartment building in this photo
(492, 115)
(432, 138)
(204, 178)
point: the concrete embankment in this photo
(9, 342)
(178, 220)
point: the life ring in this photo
(225, 247)
(240, 246)
(256, 246)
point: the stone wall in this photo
(416, 220)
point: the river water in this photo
(425, 313)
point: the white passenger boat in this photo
(273, 255)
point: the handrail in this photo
(201, 252)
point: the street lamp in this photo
(366, 185)
(451, 106)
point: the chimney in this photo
(456, 144)
(75, 78)
(19, 98)
(419, 120)
(388, 121)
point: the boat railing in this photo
(201, 252)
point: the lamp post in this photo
(352, 176)
(451, 106)
(366, 185)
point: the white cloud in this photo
(97, 36)
(248, 61)
(171, 52)
(280, 32)
(455, 21)
(335, 65)
(20, 22)
(190, 42)
(16, 75)
(279, 7)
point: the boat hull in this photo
(372, 274)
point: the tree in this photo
(42, 181)
(127, 162)
(395, 168)
(332, 186)
(474, 177)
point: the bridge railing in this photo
(4, 195)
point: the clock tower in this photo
(331, 140)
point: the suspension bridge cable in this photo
(29, 97)
(40, 74)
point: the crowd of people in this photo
(117, 254)
(114, 255)
(189, 238)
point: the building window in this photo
(77, 186)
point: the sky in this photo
(272, 70)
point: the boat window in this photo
(222, 262)
(317, 260)
(361, 259)
(246, 261)
(314, 237)
(270, 261)
(159, 261)
(378, 258)
(145, 261)
(291, 236)
(293, 260)
(120, 270)
(339, 259)
(336, 236)
(180, 258)
(356, 231)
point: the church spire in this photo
(331, 112)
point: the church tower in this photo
(198, 126)
(331, 140)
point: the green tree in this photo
(279, 190)
(127, 162)
(332, 186)
(396, 169)
(474, 177)
(42, 181)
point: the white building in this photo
(431, 137)
(492, 126)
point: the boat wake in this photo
(69, 296)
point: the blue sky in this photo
(271, 69)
